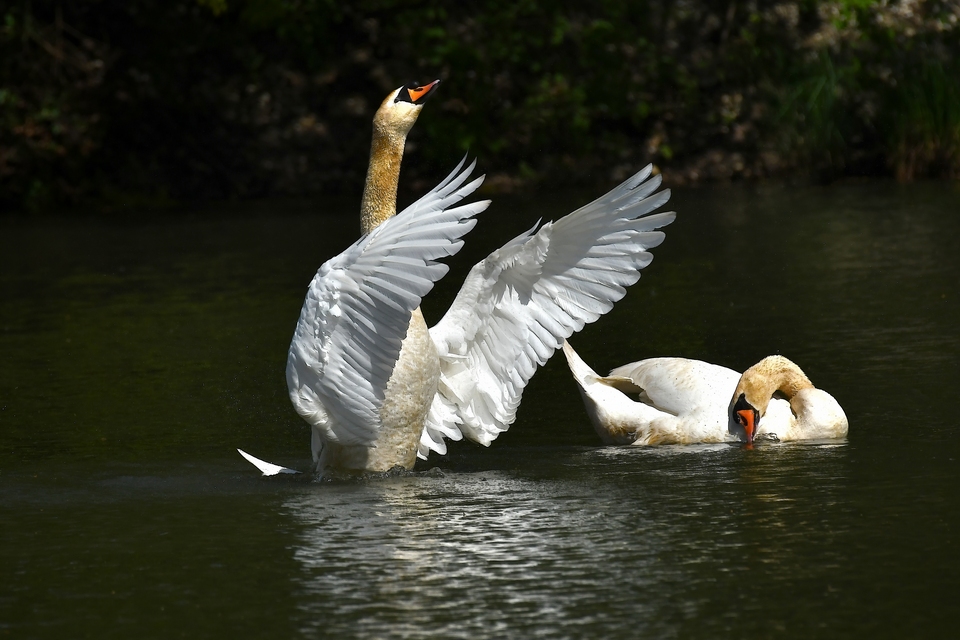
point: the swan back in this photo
(678, 385)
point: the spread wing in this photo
(518, 305)
(358, 307)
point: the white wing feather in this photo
(518, 305)
(680, 386)
(266, 468)
(357, 310)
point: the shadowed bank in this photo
(114, 105)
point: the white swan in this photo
(685, 401)
(374, 402)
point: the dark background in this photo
(158, 102)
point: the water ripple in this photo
(627, 541)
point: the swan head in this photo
(400, 109)
(774, 376)
(744, 418)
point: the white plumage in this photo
(682, 401)
(358, 307)
(514, 310)
(517, 306)
(376, 387)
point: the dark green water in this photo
(136, 355)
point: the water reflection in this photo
(613, 540)
(135, 355)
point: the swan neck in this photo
(791, 384)
(383, 176)
(772, 376)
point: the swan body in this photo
(378, 387)
(684, 401)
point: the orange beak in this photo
(421, 92)
(746, 419)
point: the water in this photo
(135, 355)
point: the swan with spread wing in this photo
(378, 387)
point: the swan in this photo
(684, 401)
(377, 387)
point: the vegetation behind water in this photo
(155, 101)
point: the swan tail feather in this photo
(581, 371)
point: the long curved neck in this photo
(772, 375)
(383, 175)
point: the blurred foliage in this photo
(160, 100)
